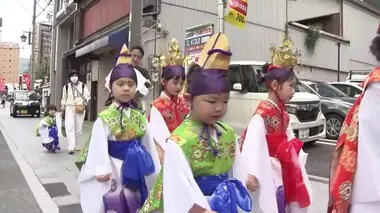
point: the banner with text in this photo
(195, 38)
(2, 84)
(26, 78)
(237, 12)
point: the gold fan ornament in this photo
(284, 56)
(173, 57)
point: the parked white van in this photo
(306, 118)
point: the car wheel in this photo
(38, 115)
(334, 124)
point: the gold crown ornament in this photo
(284, 56)
(173, 57)
(124, 57)
(214, 55)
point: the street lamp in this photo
(24, 37)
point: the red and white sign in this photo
(26, 78)
(2, 84)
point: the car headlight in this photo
(291, 109)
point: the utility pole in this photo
(135, 18)
(221, 4)
(33, 43)
(52, 75)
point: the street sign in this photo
(195, 38)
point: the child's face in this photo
(173, 86)
(52, 112)
(209, 108)
(285, 91)
(123, 89)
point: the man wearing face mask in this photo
(75, 97)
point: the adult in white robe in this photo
(366, 188)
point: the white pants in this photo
(74, 126)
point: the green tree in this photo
(42, 70)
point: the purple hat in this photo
(124, 67)
(214, 60)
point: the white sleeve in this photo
(107, 79)
(86, 93)
(141, 80)
(179, 183)
(289, 132)
(43, 130)
(255, 160)
(98, 160)
(160, 130)
(150, 146)
(369, 134)
(64, 96)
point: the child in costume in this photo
(274, 162)
(201, 151)
(141, 88)
(47, 129)
(170, 108)
(121, 155)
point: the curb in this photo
(319, 179)
(44, 201)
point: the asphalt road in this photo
(15, 194)
(318, 162)
(58, 173)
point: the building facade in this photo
(9, 62)
(43, 42)
(346, 28)
(91, 32)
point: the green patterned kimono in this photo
(50, 121)
(134, 126)
(200, 156)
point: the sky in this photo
(17, 18)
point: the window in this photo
(234, 76)
(326, 90)
(249, 78)
(348, 89)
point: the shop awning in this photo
(114, 40)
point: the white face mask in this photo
(74, 79)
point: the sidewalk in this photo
(15, 194)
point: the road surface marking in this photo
(326, 143)
(327, 140)
(319, 179)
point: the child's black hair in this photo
(280, 76)
(168, 78)
(190, 73)
(375, 47)
(48, 108)
(109, 100)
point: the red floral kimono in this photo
(292, 188)
(173, 110)
(344, 160)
